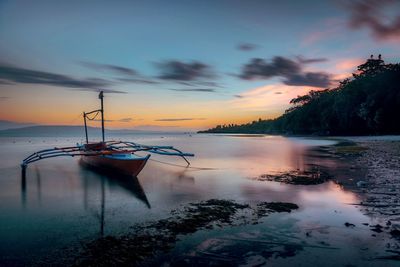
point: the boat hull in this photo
(128, 164)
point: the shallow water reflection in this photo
(61, 203)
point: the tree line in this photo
(368, 103)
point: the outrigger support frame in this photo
(111, 147)
(105, 148)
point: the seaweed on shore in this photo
(160, 236)
(199, 215)
(311, 177)
(344, 143)
(267, 207)
(348, 148)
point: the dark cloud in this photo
(238, 96)
(304, 60)
(181, 71)
(4, 98)
(203, 90)
(278, 93)
(201, 83)
(137, 80)
(106, 91)
(111, 68)
(247, 47)
(290, 70)
(314, 79)
(369, 14)
(182, 119)
(13, 74)
(131, 75)
(258, 68)
(4, 82)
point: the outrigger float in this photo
(119, 156)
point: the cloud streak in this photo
(4, 82)
(304, 60)
(247, 47)
(129, 75)
(238, 96)
(201, 90)
(110, 67)
(18, 75)
(181, 119)
(106, 91)
(137, 80)
(121, 120)
(291, 71)
(181, 71)
(368, 14)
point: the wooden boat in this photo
(124, 163)
(118, 156)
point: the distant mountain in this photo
(161, 129)
(50, 131)
(13, 125)
(70, 131)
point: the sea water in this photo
(62, 205)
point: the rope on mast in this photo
(94, 117)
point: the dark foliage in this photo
(368, 103)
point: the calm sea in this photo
(62, 205)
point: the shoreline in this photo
(370, 168)
(375, 179)
(381, 184)
(343, 137)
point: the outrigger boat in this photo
(119, 156)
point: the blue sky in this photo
(187, 58)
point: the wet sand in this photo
(380, 188)
(375, 167)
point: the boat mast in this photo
(84, 120)
(85, 116)
(102, 114)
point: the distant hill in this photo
(70, 131)
(13, 125)
(366, 104)
(50, 131)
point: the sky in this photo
(181, 65)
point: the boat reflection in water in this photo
(91, 177)
(38, 187)
(129, 183)
(184, 177)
